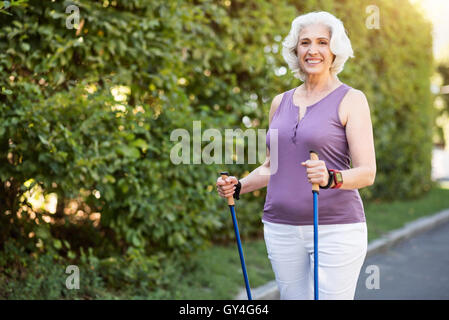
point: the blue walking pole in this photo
(316, 192)
(224, 175)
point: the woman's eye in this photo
(321, 42)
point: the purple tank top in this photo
(289, 195)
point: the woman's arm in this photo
(258, 178)
(359, 133)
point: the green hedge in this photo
(65, 129)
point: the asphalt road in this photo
(417, 268)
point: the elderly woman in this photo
(330, 117)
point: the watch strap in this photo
(329, 182)
(236, 194)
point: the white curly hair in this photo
(340, 45)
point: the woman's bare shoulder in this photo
(353, 101)
(275, 103)
(355, 93)
(355, 98)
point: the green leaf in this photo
(129, 152)
(43, 140)
(25, 46)
(140, 143)
(57, 244)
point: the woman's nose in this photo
(313, 49)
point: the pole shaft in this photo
(315, 244)
(242, 259)
(230, 199)
(316, 192)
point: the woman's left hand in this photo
(316, 172)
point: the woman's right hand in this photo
(226, 188)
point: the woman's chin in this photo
(314, 71)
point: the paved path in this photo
(417, 268)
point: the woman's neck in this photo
(315, 84)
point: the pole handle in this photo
(230, 199)
(314, 156)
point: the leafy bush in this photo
(43, 276)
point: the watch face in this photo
(338, 177)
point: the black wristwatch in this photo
(236, 194)
(329, 182)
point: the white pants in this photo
(341, 252)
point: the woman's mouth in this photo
(313, 62)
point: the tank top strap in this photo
(344, 88)
(285, 105)
(338, 98)
(288, 97)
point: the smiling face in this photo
(313, 49)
